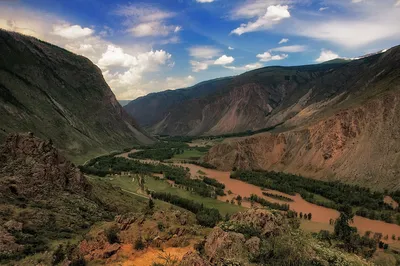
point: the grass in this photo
(322, 199)
(126, 183)
(314, 227)
(189, 154)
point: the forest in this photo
(105, 165)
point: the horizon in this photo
(147, 47)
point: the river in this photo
(319, 214)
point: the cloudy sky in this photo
(154, 45)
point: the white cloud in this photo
(231, 48)
(245, 67)
(173, 83)
(71, 31)
(143, 13)
(326, 55)
(273, 16)
(198, 66)
(290, 49)
(145, 20)
(204, 1)
(154, 28)
(224, 60)
(323, 8)
(82, 49)
(371, 22)
(205, 52)
(126, 69)
(357, 1)
(257, 8)
(284, 40)
(265, 57)
(397, 3)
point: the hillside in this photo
(45, 200)
(59, 95)
(259, 99)
(251, 101)
(352, 137)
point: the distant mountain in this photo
(255, 100)
(346, 127)
(124, 102)
(59, 95)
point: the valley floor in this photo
(321, 216)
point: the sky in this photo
(154, 45)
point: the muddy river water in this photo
(319, 214)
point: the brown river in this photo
(319, 214)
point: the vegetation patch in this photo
(335, 195)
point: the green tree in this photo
(309, 216)
(343, 230)
(151, 204)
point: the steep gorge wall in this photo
(59, 95)
(359, 145)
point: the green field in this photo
(125, 183)
(189, 154)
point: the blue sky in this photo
(154, 45)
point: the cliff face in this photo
(56, 94)
(358, 145)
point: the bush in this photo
(112, 234)
(58, 255)
(208, 217)
(139, 244)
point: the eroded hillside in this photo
(56, 94)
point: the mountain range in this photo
(338, 120)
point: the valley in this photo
(320, 214)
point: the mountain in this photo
(59, 95)
(345, 128)
(255, 100)
(124, 102)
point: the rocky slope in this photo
(353, 137)
(266, 97)
(259, 237)
(56, 94)
(44, 198)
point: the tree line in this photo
(266, 203)
(339, 194)
(208, 217)
(105, 165)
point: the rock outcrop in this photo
(34, 168)
(261, 237)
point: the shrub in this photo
(139, 244)
(112, 234)
(58, 255)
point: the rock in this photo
(125, 221)
(33, 168)
(222, 245)
(110, 250)
(266, 222)
(253, 246)
(13, 226)
(193, 258)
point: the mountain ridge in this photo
(59, 95)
